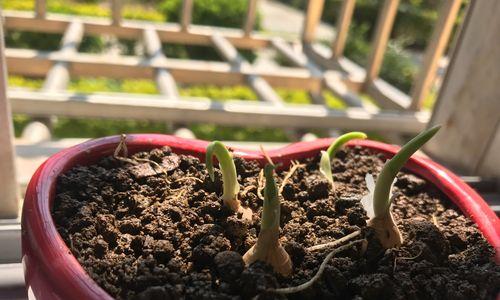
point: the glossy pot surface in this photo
(52, 272)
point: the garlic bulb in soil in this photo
(268, 247)
(378, 201)
(325, 166)
(230, 183)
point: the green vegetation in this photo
(325, 166)
(397, 66)
(378, 202)
(412, 30)
(231, 187)
(268, 247)
(230, 184)
(222, 13)
(88, 8)
(227, 13)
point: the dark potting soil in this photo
(143, 234)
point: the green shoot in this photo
(268, 247)
(230, 183)
(271, 209)
(381, 199)
(325, 166)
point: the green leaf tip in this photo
(325, 166)
(381, 198)
(326, 156)
(227, 167)
(341, 140)
(268, 248)
(271, 207)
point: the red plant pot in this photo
(52, 272)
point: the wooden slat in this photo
(250, 17)
(9, 195)
(58, 76)
(385, 20)
(37, 63)
(12, 285)
(237, 113)
(40, 8)
(468, 104)
(439, 40)
(321, 55)
(72, 38)
(228, 52)
(116, 12)
(131, 29)
(299, 59)
(186, 14)
(334, 84)
(260, 86)
(490, 164)
(343, 23)
(285, 49)
(263, 90)
(386, 95)
(312, 19)
(166, 84)
(164, 80)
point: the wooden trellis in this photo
(315, 68)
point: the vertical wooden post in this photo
(186, 14)
(439, 40)
(312, 19)
(383, 30)
(9, 196)
(116, 11)
(40, 8)
(250, 18)
(468, 106)
(343, 23)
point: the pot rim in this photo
(45, 243)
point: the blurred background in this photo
(411, 33)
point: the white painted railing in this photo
(315, 70)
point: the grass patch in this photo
(25, 82)
(129, 11)
(100, 84)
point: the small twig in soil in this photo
(173, 190)
(295, 289)
(122, 147)
(405, 258)
(260, 185)
(435, 220)
(71, 245)
(247, 189)
(268, 158)
(295, 166)
(189, 177)
(180, 194)
(334, 243)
